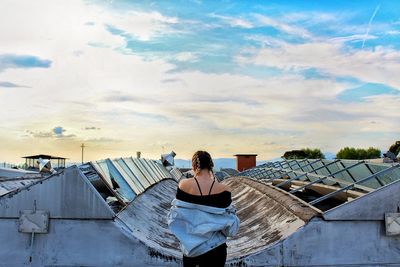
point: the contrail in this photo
(369, 24)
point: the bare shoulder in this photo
(184, 184)
(219, 187)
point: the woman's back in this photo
(203, 202)
(202, 186)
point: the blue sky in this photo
(226, 76)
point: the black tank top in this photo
(220, 200)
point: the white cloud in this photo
(352, 38)
(200, 109)
(379, 65)
(392, 32)
(283, 27)
(234, 21)
(143, 25)
(186, 56)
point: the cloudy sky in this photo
(226, 76)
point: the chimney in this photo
(138, 154)
(245, 161)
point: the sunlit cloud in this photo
(228, 78)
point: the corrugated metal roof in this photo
(363, 177)
(6, 173)
(11, 185)
(176, 173)
(267, 215)
(130, 177)
(67, 195)
(146, 217)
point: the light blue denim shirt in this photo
(200, 228)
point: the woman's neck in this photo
(204, 175)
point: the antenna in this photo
(83, 147)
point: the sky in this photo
(223, 76)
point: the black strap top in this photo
(201, 193)
(220, 200)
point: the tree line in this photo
(344, 153)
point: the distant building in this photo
(31, 161)
(245, 161)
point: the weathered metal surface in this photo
(146, 217)
(114, 179)
(14, 173)
(267, 215)
(34, 221)
(339, 243)
(351, 186)
(371, 206)
(344, 175)
(66, 195)
(15, 179)
(392, 223)
(277, 229)
(175, 172)
(91, 243)
(12, 185)
(129, 177)
(321, 189)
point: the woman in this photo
(202, 215)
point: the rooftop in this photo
(43, 156)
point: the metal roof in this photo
(129, 177)
(15, 179)
(146, 218)
(7, 173)
(267, 215)
(325, 183)
(66, 194)
(277, 228)
(11, 185)
(43, 156)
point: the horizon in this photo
(231, 77)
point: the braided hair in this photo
(202, 160)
